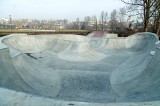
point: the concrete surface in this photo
(76, 70)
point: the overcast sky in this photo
(56, 9)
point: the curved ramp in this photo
(141, 79)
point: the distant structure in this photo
(10, 20)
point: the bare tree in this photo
(87, 21)
(77, 23)
(121, 18)
(121, 14)
(156, 16)
(94, 20)
(102, 20)
(113, 20)
(106, 20)
(146, 7)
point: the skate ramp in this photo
(86, 70)
(101, 34)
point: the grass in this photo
(4, 32)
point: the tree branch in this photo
(132, 3)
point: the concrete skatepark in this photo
(106, 70)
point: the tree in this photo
(146, 7)
(94, 20)
(87, 21)
(106, 20)
(77, 23)
(113, 20)
(156, 16)
(121, 18)
(121, 14)
(102, 20)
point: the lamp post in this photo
(10, 22)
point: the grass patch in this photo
(4, 32)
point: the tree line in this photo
(148, 11)
(104, 21)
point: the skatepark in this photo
(66, 69)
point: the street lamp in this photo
(10, 22)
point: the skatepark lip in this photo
(87, 70)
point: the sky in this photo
(56, 9)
